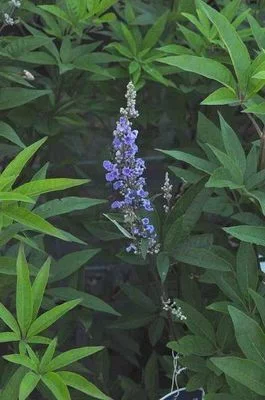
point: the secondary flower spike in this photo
(125, 173)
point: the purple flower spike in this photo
(125, 173)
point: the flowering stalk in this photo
(167, 193)
(125, 172)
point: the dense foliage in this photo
(157, 242)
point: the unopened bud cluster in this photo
(167, 193)
(175, 310)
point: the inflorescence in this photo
(125, 173)
(172, 307)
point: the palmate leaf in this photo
(12, 196)
(78, 382)
(24, 306)
(9, 337)
(203, 66)
(50, 317)
(28, 384)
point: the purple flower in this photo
(108, 165)
(125, 172)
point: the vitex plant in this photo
(28, 327)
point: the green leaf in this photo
(192, 344)
(21, 359)
(15, 166)
(28, 384)
(121, 229)
(229, 164)
(246, 233)
(50, 317)
(11, 387)
(247, 268)
(195, 161)
(248, 373)
(221, 178)
(56, 385)
(232, 145)
(203, 66)
(71, 263)
(138, 297)
(221, 96)
(154, 33)
(16, 96)
(128, 36)
(39, 286)
(258, 31)
(32, 221)
(237, 50)
(258, 109)
(56, 11)
(260, 304)
(78, 382)
(67, 204)
(24, 306)
(249, 335)
(179, 230)
(196, 322)
(203, 258)
(9, 337)
(48, 355)
(8, 319)
(8, 133)
(163, 265)
(38, 187)
(86, 300)
(71, 356)
(12, 196)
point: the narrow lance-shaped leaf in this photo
(203, 66)
(48, 318)
(28, 384)
(154, 33)
(8, 319)
(248, 373)
(23, 293)
(48, 355)
(234, 44)
(56, 385)
(72, 356)
(15, 166)
(39, 286)
(32, 221)
(38, 187)
(78, 382)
